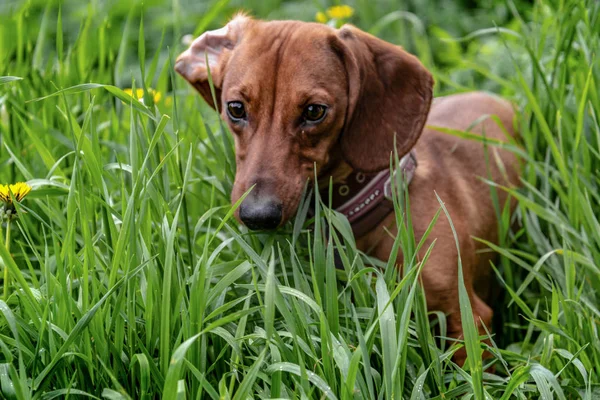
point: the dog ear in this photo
(389, 95)
(214, 46)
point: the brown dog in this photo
(298, 94)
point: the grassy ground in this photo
(127, 277)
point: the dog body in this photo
(299, 96)
(453, 168)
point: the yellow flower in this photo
(139, 94)
(19, 191)
(321, 17)
(340, 12)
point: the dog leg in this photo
(482, 314)
(440, 283)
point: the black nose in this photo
(257, 214)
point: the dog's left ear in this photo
(216, 47)
(389, 92)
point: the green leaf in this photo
(7, 79)
(312, 377)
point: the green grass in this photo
(129, 277)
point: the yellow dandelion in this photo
(139, 94)
(321, 17)
(19, 191)
(340, 12)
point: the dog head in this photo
(299, 96)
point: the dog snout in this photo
(259, 213)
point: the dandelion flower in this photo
(321, 17)
(340, 12)
(19, 191)
(139, 94)
(8, 193)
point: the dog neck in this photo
(336, 172)
(364, 198)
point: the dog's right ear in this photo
(214, 46)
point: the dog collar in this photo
(366, 199)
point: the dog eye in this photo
(314, 112)
(236, 111)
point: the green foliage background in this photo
(129, 278)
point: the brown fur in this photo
(375, 92)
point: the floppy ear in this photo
(389, 92)
(214, 46)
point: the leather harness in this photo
(366, 199)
